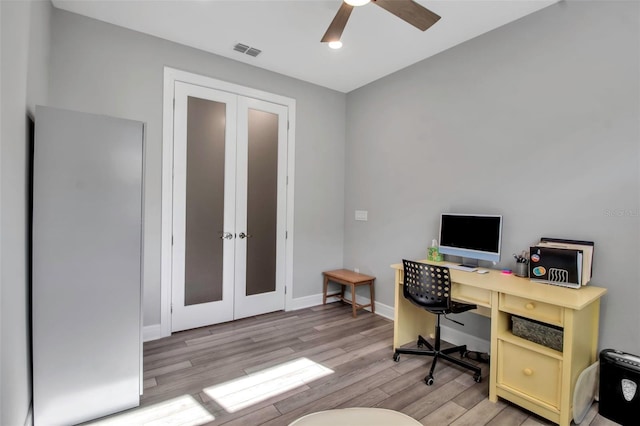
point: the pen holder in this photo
(521, 269)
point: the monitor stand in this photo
(469, 262)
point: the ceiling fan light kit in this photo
(356, 2)
(407, 10)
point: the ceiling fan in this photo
(407, 10)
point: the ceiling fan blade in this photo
(334, 32)
(410, 11)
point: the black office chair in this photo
(429, 287)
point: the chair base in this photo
(438, 353)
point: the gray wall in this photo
(25, 29)
(100, 68)
(538, 121)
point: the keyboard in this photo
(462, 268)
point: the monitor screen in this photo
(471, 236)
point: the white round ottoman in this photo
(356, 417)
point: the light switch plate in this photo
(362, 215)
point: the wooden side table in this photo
(345, 278)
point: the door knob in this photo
(226, 235)
(242, 236)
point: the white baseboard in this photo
(306, 302)
(154, 332)
(151, 332)
(457, 337)
(451, 335)
(383, 310)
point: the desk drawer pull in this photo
(528, 372)
(532, 309)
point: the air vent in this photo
(243, 48)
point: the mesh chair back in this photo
(427, 286)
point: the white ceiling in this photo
(376, 43)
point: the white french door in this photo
(204, 197)
(229, 206)
(261, 192)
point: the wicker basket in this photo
(537, 332)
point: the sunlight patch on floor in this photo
(183, 410)
(246, 391)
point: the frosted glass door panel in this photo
(205, 200)
(204, 204)
(262, 197)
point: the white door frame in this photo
(171, 75)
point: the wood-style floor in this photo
(278, 367)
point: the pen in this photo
(522, 258)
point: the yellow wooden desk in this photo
(535, 377)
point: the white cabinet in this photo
(87, 252)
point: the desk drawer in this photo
(528, 372)
(466, 293)
(540, 311)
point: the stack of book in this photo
(567, 263)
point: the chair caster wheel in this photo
(477, 379)
(428, 380)
(464, 354)
(396, 357)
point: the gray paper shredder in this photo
(619, 387)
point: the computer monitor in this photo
(471, 236)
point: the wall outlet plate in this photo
(362, 215)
